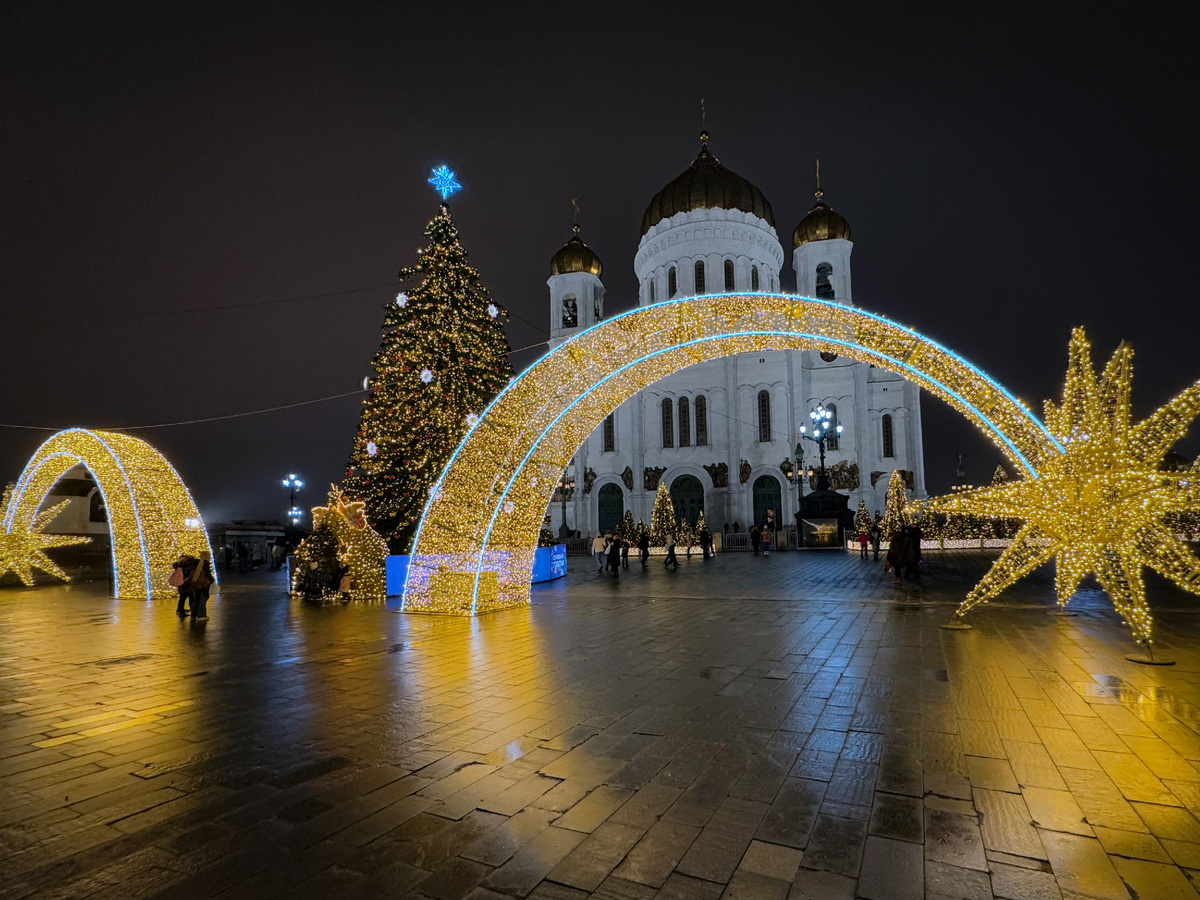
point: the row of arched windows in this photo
(698, 409)
(700, 280)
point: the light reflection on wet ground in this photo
(758, 725)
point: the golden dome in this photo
(706, 185)
(822, 223)
(575, 256)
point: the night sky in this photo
(173, 176)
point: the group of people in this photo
(904, 556)
(193, 578)
(612, 553)
(869, 536)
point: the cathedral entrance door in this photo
(611, 508)
(767, 496)
(687, 493)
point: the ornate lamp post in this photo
(294, 484)
(822, 419)
(563, 531)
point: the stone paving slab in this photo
(792, 726)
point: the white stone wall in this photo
(797, 381)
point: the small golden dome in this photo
(822, 223)
(576, 256)
(706, 185)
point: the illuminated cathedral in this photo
(723, 435)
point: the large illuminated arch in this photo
(151, 517)
(474, 549)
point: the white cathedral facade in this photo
(722, 435)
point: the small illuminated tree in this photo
(862, 518)
(895, 509)
(662, 518)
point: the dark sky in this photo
(1008, 173)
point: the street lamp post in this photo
(294, 484)
(822, 419)
(563, 531)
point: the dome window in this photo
(729, 274)
(672, 283)
(651, 289)
(701, 409)
(610, 434)
(824, 288)
(764, 417)
(699, 270)
(889, 440)
(685, 423)
(754, 278)
(570, 311)
(668, 425)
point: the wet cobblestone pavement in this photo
(747, 728)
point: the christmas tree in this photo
(895, 509)
(662, 518)
(317, 569)
(627, 531)
(862, 518)
(999, 476)
(444, 356)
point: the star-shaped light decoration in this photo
(22, 551)
(444, 182)
(1099, 506)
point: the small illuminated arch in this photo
(152, 519)
(475, 546)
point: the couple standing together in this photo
(192, 577)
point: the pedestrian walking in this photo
(766, 541)
(624, 554)
(598, 547)
(863, 537)
(671, 560)
(706, 542)
(755, 538)
(898, 555)
(200, 582)
(687, 535)
(614, 556)
(875, 541)
(644, 546)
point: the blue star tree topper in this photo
(444, 182)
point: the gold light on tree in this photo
(1099, 506)
(151, 517)
(23, 549)
(474, 549)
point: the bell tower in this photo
(576, 291)
(821, 252)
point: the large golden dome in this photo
(706, 185)
(822, 223)
(576, 256)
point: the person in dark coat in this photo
(201, 581)
(185, 566)
(644, 546)
(671, 560)
(624, 553)
(614, 556)
(706, 542)
(755, 538)
(899, 554)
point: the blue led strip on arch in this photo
(684, 301)
(774, 333)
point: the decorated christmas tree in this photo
(895, 509)
(999, 476)
(317, 569)
(444, 356)
(627, 531)
(862, 518)
(662, 518)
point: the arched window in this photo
(596, 306)
(672, 283)
(754, 278)
(699, 269)
(831, 442)
(764, 417)
(771, 279)
(668, 424)
(570, 312)
(701, 408)
(651, 289)
(729, 274)
(889, 441)
(96, 511)
(685, 423)
(610, 434)
(824, 288)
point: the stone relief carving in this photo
(651, 476)
(627, 477)
(744, 471)
(843, 476)
(589, 479)
(719, 473)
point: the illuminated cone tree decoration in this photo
(444, 357)
(662, 518)
(895, 508)
(1099, 506)
(862, 519)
